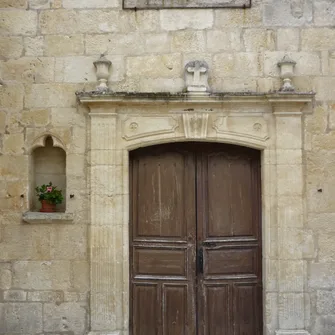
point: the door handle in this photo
(201, 260)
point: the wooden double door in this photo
(195, 241)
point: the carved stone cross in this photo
(196, 76)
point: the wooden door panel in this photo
(161, 197)
(228, 195)
(246, 309)
(229, 262)
(145, 321)
(175, 318)
(160, 261)
(217, 309)
(163, 241)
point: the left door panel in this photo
(162, 241)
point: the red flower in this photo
(49, 188)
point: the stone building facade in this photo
(68, 272)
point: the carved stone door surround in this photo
(272, 123)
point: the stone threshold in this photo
(47, 218)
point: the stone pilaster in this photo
(105, 230)
(291, 267)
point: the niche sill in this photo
(39, 217)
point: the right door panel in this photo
(229, 241)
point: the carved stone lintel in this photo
(195, 125)
(196, 76)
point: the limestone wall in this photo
(47, 49)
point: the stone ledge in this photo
(206, 98)
(292, 332)
(38, 217)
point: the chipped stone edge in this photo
(42, 218)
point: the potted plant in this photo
(49, 197)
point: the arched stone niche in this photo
(47, 163)
(272, 123)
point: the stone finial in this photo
(196, 76)
(102, 66)
(286, 73)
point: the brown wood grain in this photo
(187, 198)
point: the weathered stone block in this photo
(2, 122)
(64, 45)
(29, 70)
(237, 65)
(18, 22)
(288, 39)
(186, 19)
(324, 325)
(188, 41)
(40, 4)
(325, 302)
(316, 39)
(34, 46)
(15, 295)
(11, 96)
(11, 46)
(35, 117)
(68, 316)
(47, 275)
(118, 44)
(324, 13)
(90, 3)
(326, 247)
(46, 296)
(321, 275)
(69, 242)
(87, 21)
(147, 21)
(14, 4)
(258, 39)
(155, 66)
(288, 13)
(321, 221)
(14, 166)
(13, 144)
(157, 43)
(5, 276)
(162, 85)
(21, 318)
(224, 40)
(239, 18)
(50, 95)
(80, 276)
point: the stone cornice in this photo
(208, 99)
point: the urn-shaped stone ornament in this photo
(286, 73)
(102, 66)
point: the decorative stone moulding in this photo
(269, 122)
(102, 66)
(38, 218)
(40, 142)
(196, 76)
(286, 73)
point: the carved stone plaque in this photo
(150, 4)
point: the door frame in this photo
(272, 124)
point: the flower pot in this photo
(47, 207)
